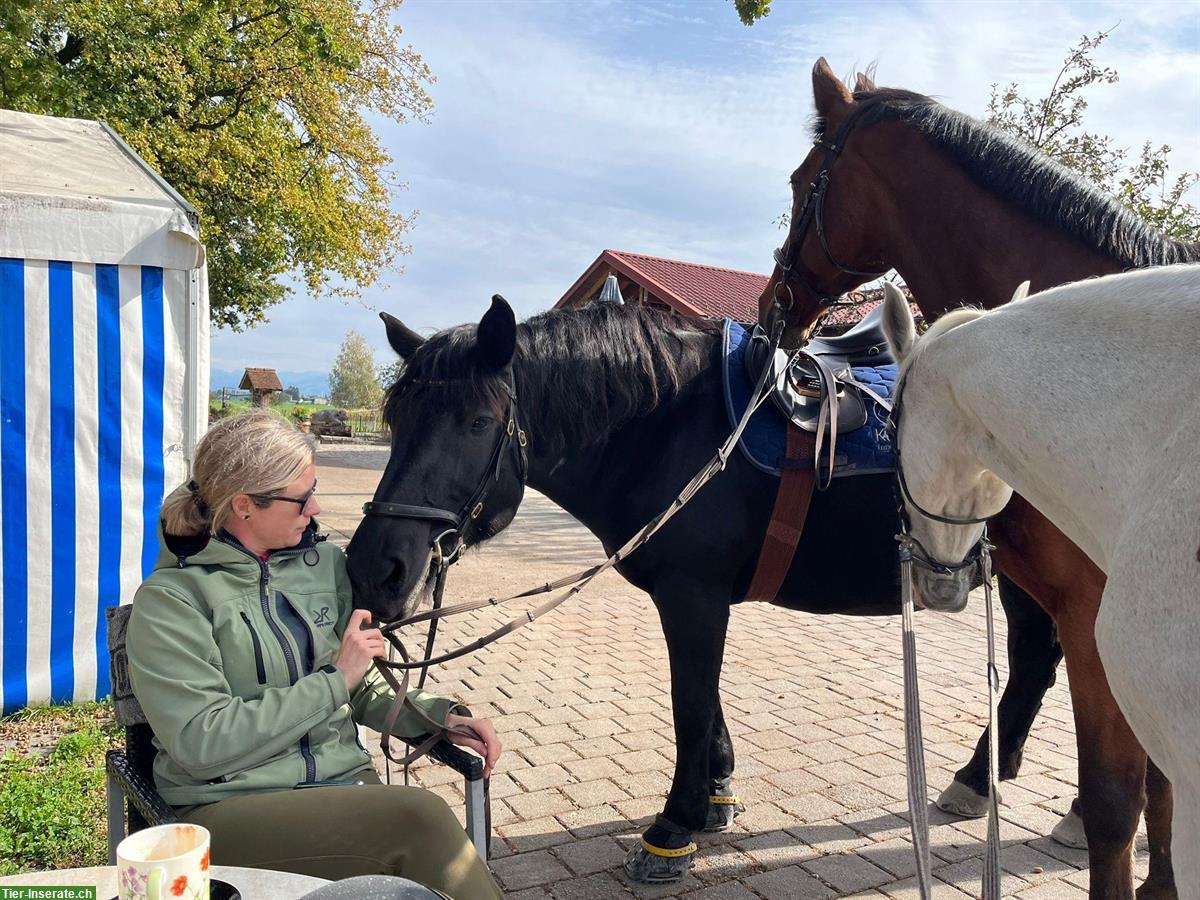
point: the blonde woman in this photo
(251, 664)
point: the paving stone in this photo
(847, 872)
(791, 883)
(586, 857)
(528, 869)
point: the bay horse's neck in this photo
(954, 242)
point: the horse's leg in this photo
(1160, 883)
(1112, 763)
(1033, 656)
(723, 803)
(694, 623)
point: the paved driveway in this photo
(813, 704)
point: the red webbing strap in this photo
(787, 518)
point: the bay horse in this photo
(1106, 446)
(965, 213)
(612, 410)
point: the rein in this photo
(813, 214)
(912, 552)
(576, 582)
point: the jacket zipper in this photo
(260, 666)
(264, 584)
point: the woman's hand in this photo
(359, 646)
(488, 746)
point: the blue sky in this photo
(669, 128)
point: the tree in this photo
(1054, 124)
(292, 393)
(255, 111)
(750, 11)
(352, 383)
(390, 374)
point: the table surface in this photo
(254, 884)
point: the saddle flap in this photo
(800, 390)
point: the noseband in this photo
(512, 438)
(813, 213)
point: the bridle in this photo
(813, 214)
(447, 545)
(908, 544)
(512, 438)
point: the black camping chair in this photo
(129, 779)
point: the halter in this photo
(812, 212)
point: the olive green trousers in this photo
(338, 831)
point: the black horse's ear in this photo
(497, 336)
(831, 98)
(403, 341)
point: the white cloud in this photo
(670, 129)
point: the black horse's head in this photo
(457, 469)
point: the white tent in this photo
(103, 390)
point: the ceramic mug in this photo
(163, 863)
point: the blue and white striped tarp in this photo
(93, 426)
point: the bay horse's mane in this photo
(580, 373)
(1027, 178)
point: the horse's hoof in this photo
(722, 810)
(960, 800)
(1069, 832)
(645, 867)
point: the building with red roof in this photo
(695, 290)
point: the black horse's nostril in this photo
(396, 576)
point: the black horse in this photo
(622, 405)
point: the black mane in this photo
(1027, 178)
(580, 374)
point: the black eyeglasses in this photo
(301, 502)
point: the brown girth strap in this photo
(787, 518)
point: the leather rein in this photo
(813, 214)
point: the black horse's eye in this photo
(480, 424)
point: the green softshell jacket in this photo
(235, 705)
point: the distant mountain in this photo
(310, 383)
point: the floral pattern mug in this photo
(163, 863)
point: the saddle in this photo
(817, 391)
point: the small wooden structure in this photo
(261, 383)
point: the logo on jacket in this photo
(323, 617)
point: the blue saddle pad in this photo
(865, 451)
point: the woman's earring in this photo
(246, 516)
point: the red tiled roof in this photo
(693, 289)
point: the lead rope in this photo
(914, 747)
(991, 862)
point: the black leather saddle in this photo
(814, 387)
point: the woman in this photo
(251, 664)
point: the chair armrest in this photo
(466, 764)
(140, 793)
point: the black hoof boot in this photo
(723, 805)
(664, 855)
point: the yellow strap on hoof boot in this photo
(724, 801)
(668, 854)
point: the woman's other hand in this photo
(488, 746)
(359, 647)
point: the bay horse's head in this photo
(831, 247)
(457, 469)
(948, 495)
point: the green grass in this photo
(52, 809)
